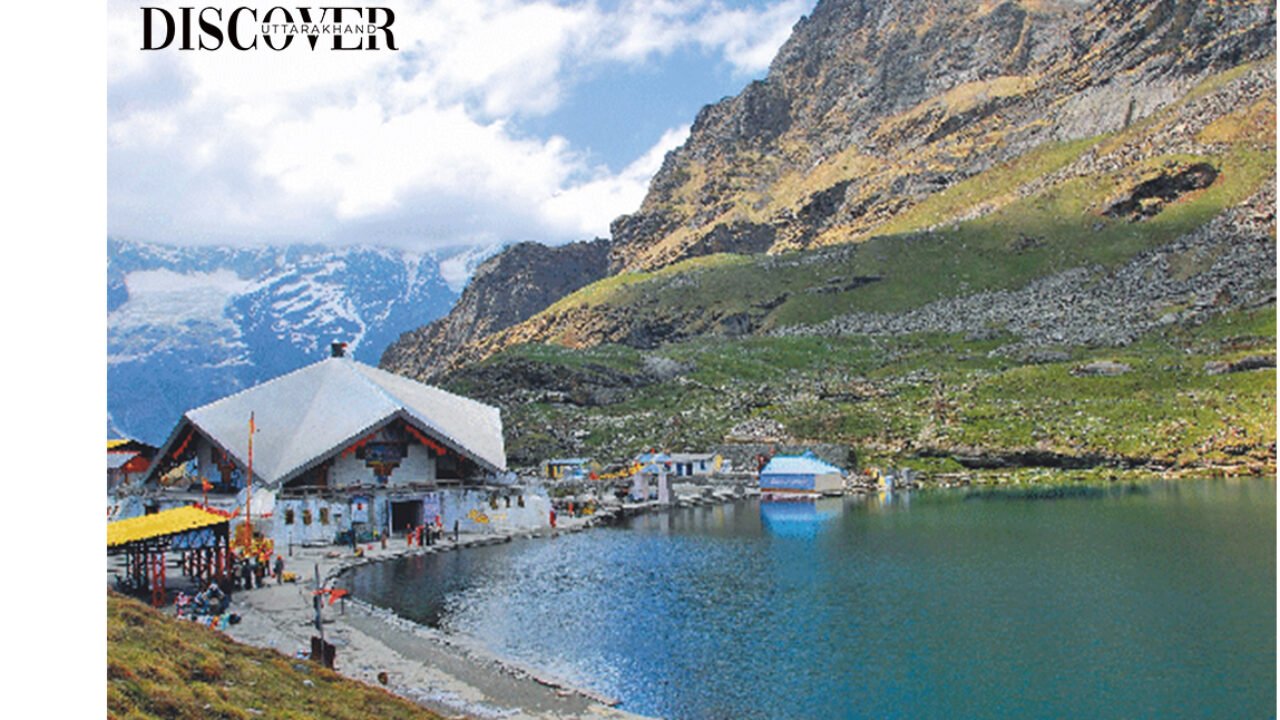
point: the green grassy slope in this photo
(936, 400)
(1058, 228)
(159, 667)
(1037, 214)
(923, 400)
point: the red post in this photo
(157, 577)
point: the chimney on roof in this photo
(338, 349)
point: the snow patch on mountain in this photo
(166, 297)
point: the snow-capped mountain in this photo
(188, 325)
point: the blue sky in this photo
(617, 114)
(497, 121)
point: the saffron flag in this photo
(205, 485)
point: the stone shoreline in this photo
(453, 676)
(450, 675)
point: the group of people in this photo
(424, 534)
(207, 607)
(574, 510)
(252, 570)
(209, 601)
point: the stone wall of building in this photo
(417, 467)
(318, 520)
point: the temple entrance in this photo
(405, 514)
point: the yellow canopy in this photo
(168, 522)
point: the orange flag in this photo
(205, 485)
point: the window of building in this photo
(288, 516)
(324, 516)
(448, 467)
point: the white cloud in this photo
(587, 207)
(750, 38)
(747, 38)
(411, 148)
(508, 56)
(456, 269)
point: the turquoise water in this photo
(1152, 601)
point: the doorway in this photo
(405, 514)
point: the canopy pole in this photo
(248, 496)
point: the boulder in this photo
(1251, 362)
(1105, 368)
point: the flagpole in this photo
(248, 496)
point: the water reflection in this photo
(1061, 492)
(1112, 604)
(800, 518)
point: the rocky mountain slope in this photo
(504, 290)
(871, 107)
(1062, 179)
(881, 119)
(189, 325)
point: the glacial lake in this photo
(1139, 601)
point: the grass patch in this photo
(891, 397)
(1053, 231)
(614, 357)
(612, 289)
(994, 187)
(159, 667)
(1060, 228)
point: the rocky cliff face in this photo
(820, 112)
(870, 107)
(895, 127)
(505, 289)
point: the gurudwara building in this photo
(342, 449)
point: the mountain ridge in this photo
(1101, 72)
(187, 325)
(504, 290)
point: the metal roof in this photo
(806, 464)
(167, 522)
(653, 463)
(306, 415)
(691, 457)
